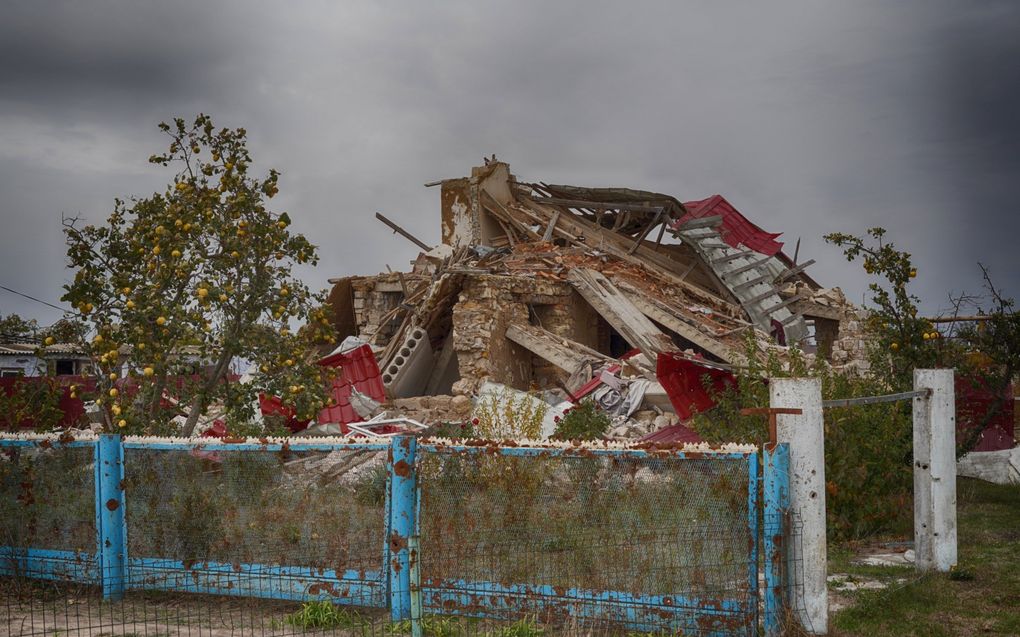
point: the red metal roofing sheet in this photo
(682, 379)
(358, 370)
(673, 433)
(735, 228)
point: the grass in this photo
(981, 596)
(323, 614)
(446, 626)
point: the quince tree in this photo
(179, 288)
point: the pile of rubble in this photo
(623, 296)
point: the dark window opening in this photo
(64, 368)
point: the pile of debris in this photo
(623, 296)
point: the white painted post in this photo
(935, 471)
(808, 594)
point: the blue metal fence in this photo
(649, 539)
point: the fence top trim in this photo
(60, 438)
(81, 437)
(89, 437)
(594, 445)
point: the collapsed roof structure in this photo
(560, 288)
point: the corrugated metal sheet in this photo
(735, 229)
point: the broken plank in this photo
(644, 233)
(732, 257)
(794, 271)
(596, 205)
(755, 281)
(404, 233)
(790, 319)
(761, 297)
(662, 314)
(547, 236)
(750, 266)
(781, 304)
(704, 222)
(561, 352)
(619, 312)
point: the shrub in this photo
(867, 449)
(509, 415)
(584, 421)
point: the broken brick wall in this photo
(489, 303)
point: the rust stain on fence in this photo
(402, 469)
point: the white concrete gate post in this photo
(935, 470)
(805, 434)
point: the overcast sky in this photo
(809, 117)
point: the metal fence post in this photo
(402, 524)
(935, 471)
(776, 493)
(110, 519)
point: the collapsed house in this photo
(562, 289)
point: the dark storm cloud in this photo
(811, 119)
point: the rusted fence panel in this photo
(656, 541)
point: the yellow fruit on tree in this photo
(913, 273)
(894, 346)
(116, 410)
(49, 340)
(130, 305)
(223, 298)
(202, 293)
(175, 254)
(113, 392)
(289, 362)
(161, 320)
(156, 250)
(122, 423)
(148, 371)
(126, 290)
(113, 375)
